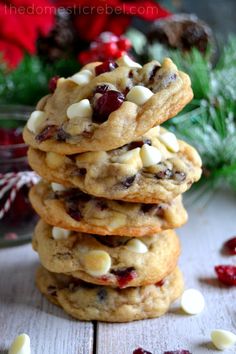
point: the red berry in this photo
(106, 104)
(52, 85)
(124, 276)
(124, 43)
(178, 352)
(226, 274)
(230, 246)
(107, 66)
(141, 351)
(109, 50)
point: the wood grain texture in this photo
(23, 309)
(202, 239)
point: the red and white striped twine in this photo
(11, 183)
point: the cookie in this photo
(90, 112)
(87, 302)
(113, 261)
(72, 209)
(155, 168)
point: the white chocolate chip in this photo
(170, 141)
(154, 131)
(125, 60)
(192, 301)
(131, 157)
(21, 345)
(150, 155)
(97, 263)
(139, 95)
(223, 339)
(81, 109)
(36, 119)
(60, 234)
(54, 160)
(82, 78)
(118, 220)
(56, 187)
(136, 246)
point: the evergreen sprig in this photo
(29, 81)
(209, 121)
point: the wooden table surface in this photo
(23, 309)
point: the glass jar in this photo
(17, 218)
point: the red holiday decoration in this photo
(21, 23)
(96, 16)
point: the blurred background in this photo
(42, 40)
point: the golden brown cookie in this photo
(112, 260)
(108, 110)
(72, 209)
(155, 168)
(88, 302)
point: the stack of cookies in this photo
(111, 189)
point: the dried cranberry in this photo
(62, 135)
(101, 88)
(180, 176)
(128, 181)
(46, 133)
(82, 172)
(160, 283)
(52, 85)
(74, 212)
(154, 71)
(107, 103)
(183, 351)
(124, 276)
(140, 143)
(101, 205)
(230, 246)
(226, 274)
(141, 351)
(107, 66)
(165, 174)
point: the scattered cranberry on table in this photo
(226, 274)
(230, 246)
(141, 351)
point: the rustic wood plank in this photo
(23, 309)
(201, 238)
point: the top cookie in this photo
(107, 105)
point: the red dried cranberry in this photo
(165, 174)
(128, 181)
(230, 246)
(52, 85)
(183, 351)
(107, 66)
(46, 133)
(226, 274)
(160, 283)
(107, 103)
(62, 135)
(141, 351)
(180, 176)
(140, 143)
(73, 211)
(124, 276)
(101, 89)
